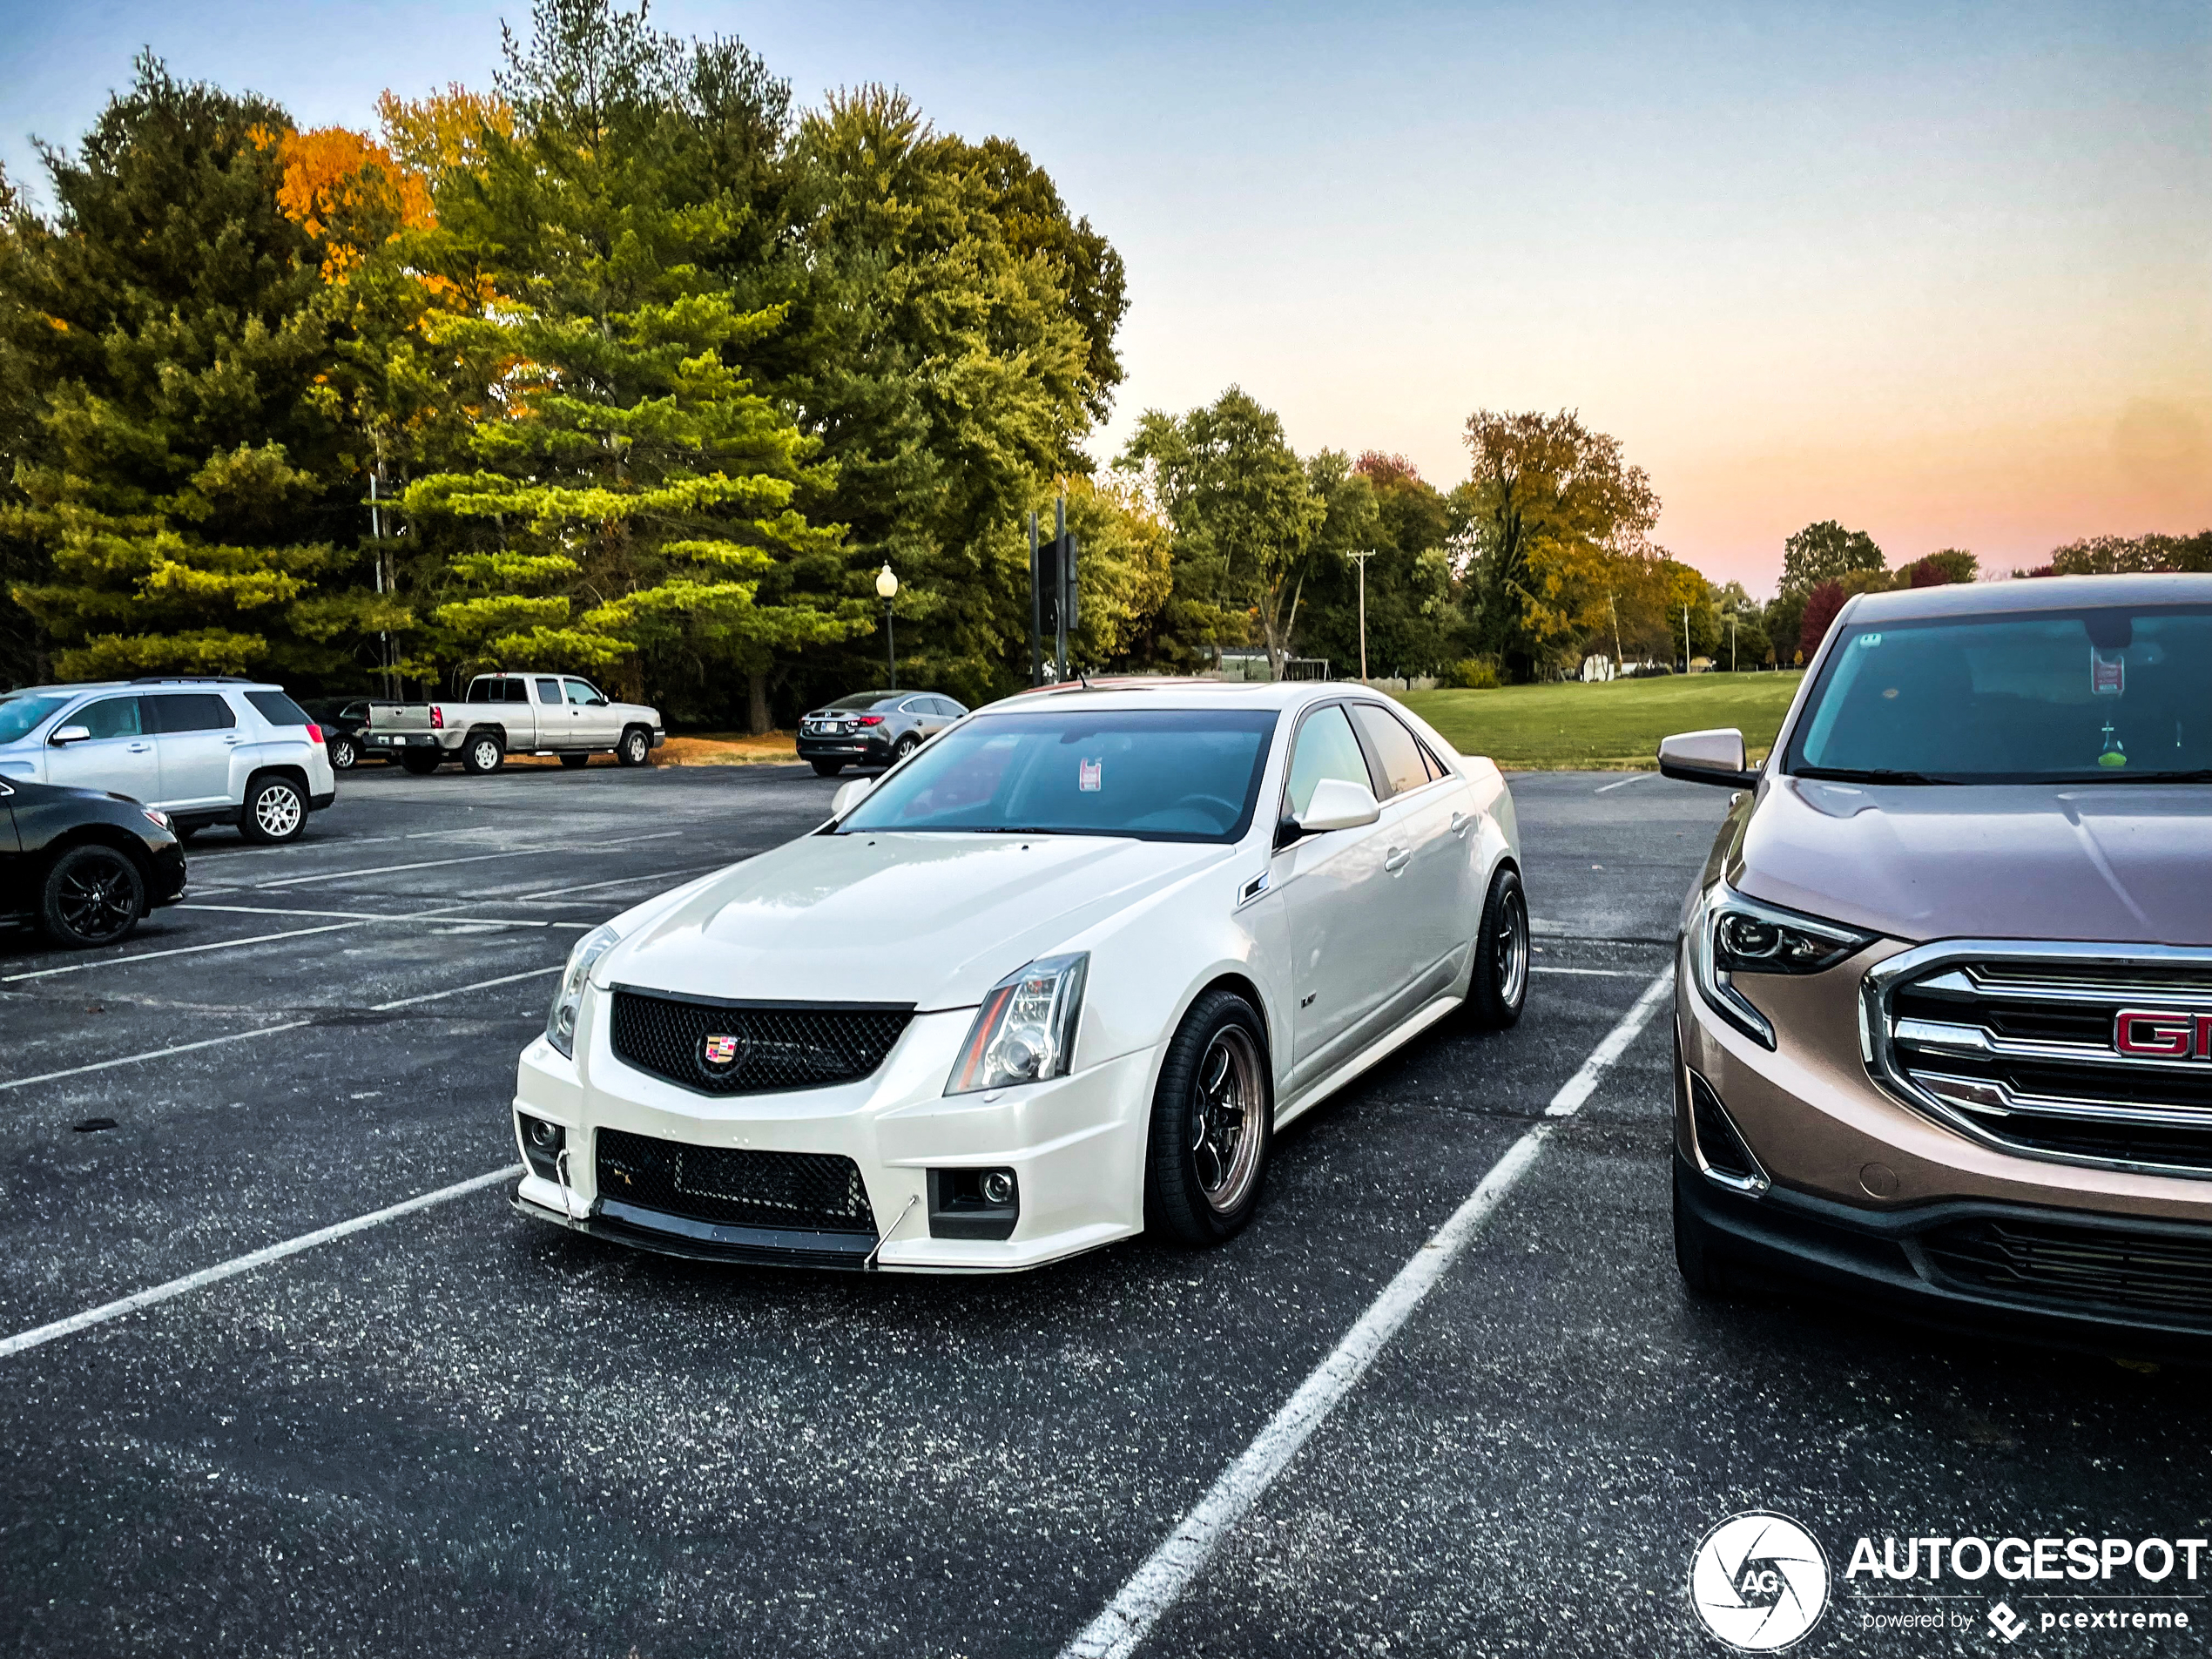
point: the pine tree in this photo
(631, 489)
(181, 485)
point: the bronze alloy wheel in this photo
(1226, 1092)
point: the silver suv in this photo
(204, 751)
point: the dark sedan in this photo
(82, 866)
(873, 728)
(343, 720)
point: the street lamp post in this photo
(887, 587)
(1360, 559)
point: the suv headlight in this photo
(567, 1001)
(1731, 935)
(1026, 1029)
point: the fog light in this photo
(974, 1204)
(998, 1187)
(543, 1143)
(1720, 1151)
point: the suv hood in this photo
(934, 920)
(2115, 862)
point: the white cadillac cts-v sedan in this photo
(1055, 979)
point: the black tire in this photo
(1205, 1162)
(93, 895)
(828, 768)
(344, 754)
(635, 747)
(574, 761)
(419, 763)
(484, 752)
(1497, 988)
(276, 811)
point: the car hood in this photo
(2118, 862)
(934, 920)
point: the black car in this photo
(83, 866)
(873, 728)
(343, 720)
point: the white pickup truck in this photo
(504, 714)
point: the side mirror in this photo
(1337, 804)
(599, 703)
(849, 795)
(1711, 757)
(69, 734)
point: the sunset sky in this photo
(1941, 272)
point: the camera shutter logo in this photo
(1759, 1581)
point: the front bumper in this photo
(1074, 1144)
(1862, 1194)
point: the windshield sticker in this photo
(1867, 642)
(2108, 672)
(2113, 755)
(1088, 773)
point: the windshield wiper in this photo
(1869, 775)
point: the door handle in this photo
(1399, 858)
(141, 748)
(1459, 822)
(233, 740)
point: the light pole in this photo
(887, 587)
(1360, 559)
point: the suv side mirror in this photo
(1335, 805)
(1715, 756)
(69, 734)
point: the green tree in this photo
(1935, 570)
(632, 491)
(1244, 509)
(1826, 552)
(2105, 555)
(185, 495)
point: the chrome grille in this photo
(2018, 1044)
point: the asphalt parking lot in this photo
(460, 1432)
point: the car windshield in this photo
(857, 700)
(20, 713)
(2103, 696)
(1150, 774)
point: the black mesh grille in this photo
(2079, 1266)
(738, 1049)
(789, 1191)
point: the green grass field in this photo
(1538, 727)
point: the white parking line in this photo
(441, 914)
(472, 858)
(1634, 776)
(1598, 972)
(246, 1264)
(177, 950)
(480, 985)
(1156, 1585)
(618, 881)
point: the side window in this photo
(1437, 769)
(1326, 749)
(549, 690)
(482, 688)
(918, 705)
(515, 690)
(192, 712)
(112, 716)
(278, 709)
(949, 709)
(1394, 747)
(580, 692)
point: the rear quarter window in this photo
(192, 712)
(277, 709)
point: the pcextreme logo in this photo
(1759, 1581)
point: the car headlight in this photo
(1026, 1029)
(1731, 935)
(567, 1001)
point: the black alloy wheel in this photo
(344, 757)
(1213, 1123)
(93, 895)
(276, 811)
(636, 748)
(1498, 987)
(904, 746)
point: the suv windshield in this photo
(2108, 695)
(19, 714)
(1149, 774)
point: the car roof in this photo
(1162, 692)
(148, 682)
(2028, 594)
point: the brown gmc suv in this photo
(1943, 1006)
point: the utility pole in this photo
(1732, 642)
(1685, 639)
(377, 534)
(1616, 609)
(1361, 560)
(1036, 608)
(1065, 570)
